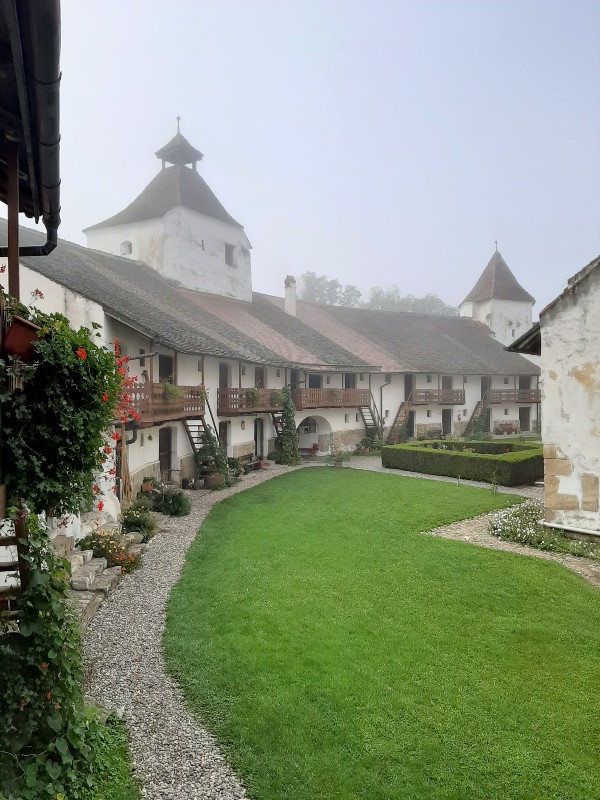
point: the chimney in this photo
(290, 295)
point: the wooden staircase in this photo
(372, 420)
(399, 423)
(196, 428)
(477, 413)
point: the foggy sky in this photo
(375, 142)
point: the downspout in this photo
(570, 528)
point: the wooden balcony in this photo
(154, 405)
(514, 396)
(331, 398)
(445, 397)
(248, 401)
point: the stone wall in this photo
(243, 449)
(586, 488)
(345, 440)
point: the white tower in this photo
(499, 301)
(178, 226)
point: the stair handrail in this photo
(376, 416)
(214, 424)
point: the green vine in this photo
(289, 438)
(54, 426)
(47, 734)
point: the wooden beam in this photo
(13, 219)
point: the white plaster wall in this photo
(188, 373)
(504, 316)
(194, 254)
(147, 239)
(571, 391)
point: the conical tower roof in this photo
(497, 283)
(176, 185)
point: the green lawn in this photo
(337, 653)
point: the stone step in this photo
(106, 582)
(83, 577)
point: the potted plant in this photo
(337, 458)
(276, 398)
(171, 391)
(20, 338)
(253, 397)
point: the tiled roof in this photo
(325, 338)
(497, 282)
(173, 186)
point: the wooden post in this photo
(13, 219)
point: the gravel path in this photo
(173, 756)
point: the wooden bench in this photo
(250, 463)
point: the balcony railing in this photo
(155, 404)
(438, 396)
(248, 401)
(514, 396)
(331, 398)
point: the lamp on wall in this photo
(243, 425)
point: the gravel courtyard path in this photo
(174, 757)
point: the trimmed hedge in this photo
(522, 466)
(492, 448)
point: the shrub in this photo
(137, 518)
(47, 735)
(236, 467)
(173, 502)
(288, 449)
(171, 391)
(521, 524)
(253, 397)
(522, 466)
(276, 397)
(113, 547)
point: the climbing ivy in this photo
(289, 439)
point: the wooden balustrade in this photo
(331, 398)
(155, 404)
(514, 396)
(438, 397)
(248, 401)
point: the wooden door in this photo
(446, 421)
(409, 385)
(258, 437)
(525, 419)
(164, 452)
(485, 385)
(223, 376)
(446, 381)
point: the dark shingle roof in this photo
(497, 282)
(320, 337)
(173, 186)
(179, 151)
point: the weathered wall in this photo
(571, 403)
(147, 239)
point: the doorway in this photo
(165, 368)
(315, 380)
(485, 385)
(165, 443)
(349, 380)
(446, 421)
(259, 377)
(295, 378)
(223, 376)
(525, 419)
(258, 437)
(409, 385)
(524, 381)
(223, 427)
(410, 425)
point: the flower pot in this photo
(20, 338)
(147, 487)
(214, 481)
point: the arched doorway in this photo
(314, 434)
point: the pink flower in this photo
(81, 353)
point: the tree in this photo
(320, 289)
(289, 440)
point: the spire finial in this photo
(178, 121)
(496, 239)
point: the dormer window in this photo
(229, 255)
(126, 248)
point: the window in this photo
(243, 424)
(361, 377)
(465, 378)
(126, 248)
(199, 365)
(429, 379)
(428, 412)
(142, 360)
(506, 412)
(387, 413)
(243, 369)
(388, 377)
(506, 381)
(464, 412)
(229, 255)
(513, 333)
(328, 379)
(356, 419)
(278, 373)
(346, 417)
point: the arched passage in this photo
(315, 431)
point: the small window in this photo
(506, 412)
(229, 255)
(142, 360)
(388, 377)
(387, 413)
(346, 417)
(428, 412)
(464, 412)
(465, 378)
(513, 333)
(506, 380)
(243, 424)
(429, 379)
(278, 373)
(243, 369)
(328, 379)
(126, 248)
(199, 365)
(361, 377)
(356, 420)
